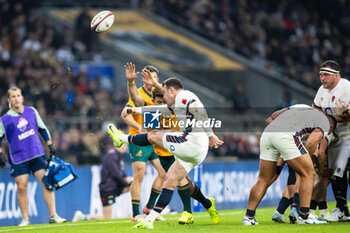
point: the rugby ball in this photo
(102, 21)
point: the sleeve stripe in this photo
(315, 106)
(320, 129)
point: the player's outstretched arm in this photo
(313, 140)
(163, 109)
(130, 121)
(322, 157)
(127, 111)
(196, 108)
(131, 75)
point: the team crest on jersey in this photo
(184, 101)
(321, 98)
(22, 124)
(333, 98)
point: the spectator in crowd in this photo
(239, 99)
(287, 100)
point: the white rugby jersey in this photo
(300, 121)
(188, 107)
(327, 100)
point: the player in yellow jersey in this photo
(140, 155)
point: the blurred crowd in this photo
(35, 56)
(290, 37)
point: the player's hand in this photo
(126, 111)
(2, 160)
(341, 108)
(130, 73)
(215, 142)
(147, 77)
(53, 151)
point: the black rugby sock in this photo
(139, 139)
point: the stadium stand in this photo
(35, 58)
(265, 32)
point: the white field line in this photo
(104, 222)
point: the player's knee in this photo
(263, 181)
(169, 182)
(307, 174)
(162, 175)
(22, 188)
(139, 174)
(151, 136)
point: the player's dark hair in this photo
(332, 64)
(151, 69)
(174, 83)
(157, 93)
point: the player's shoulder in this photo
(142, 91)
(31, 108)
(345, 84)
(187, 94)
(184, 97)
(320, 90)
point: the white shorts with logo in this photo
(278, 144)
(190, 150)
(338, 155)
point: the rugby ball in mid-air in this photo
(102, 21)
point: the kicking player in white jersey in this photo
(282, 138)
(335, 90)
(189, 145)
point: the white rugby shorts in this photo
(190, 150)
(278, 144)
(338, 155)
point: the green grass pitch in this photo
(230, 221)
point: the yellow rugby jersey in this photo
(157, 149)
(138, 118)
